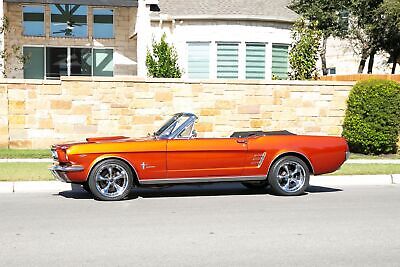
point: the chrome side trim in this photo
(261, 159)
(203, 180)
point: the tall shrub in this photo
(304, 50)
(372, 121)
(162, 61)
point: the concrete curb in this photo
(56, 187)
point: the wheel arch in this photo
(103, 158)
(295, 154)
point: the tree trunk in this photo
(323, 55)
(364, 55)
(371, 61)
(394, 67)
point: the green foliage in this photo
(372, 121)
(303, 53)
(162, 61)
(327, 14)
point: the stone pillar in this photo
(144, 34)
(1, 39)
(4, 134)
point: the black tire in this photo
(111, 189)
(255, 185)
(289, 176)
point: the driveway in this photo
(204, 225)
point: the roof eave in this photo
(165, 17)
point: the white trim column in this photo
(268, 61)
(143, 31)
(242, 60)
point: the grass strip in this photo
(16, 171)
(24, 153)
(366, 169)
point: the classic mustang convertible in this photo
(110, 166)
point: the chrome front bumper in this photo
(59, 172)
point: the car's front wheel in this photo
(289, 176)
(111, 179)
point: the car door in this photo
(205, 157)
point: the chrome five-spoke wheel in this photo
(289, 176)
(111, 180)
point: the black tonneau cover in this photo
(259, 133)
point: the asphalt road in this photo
(208, 225)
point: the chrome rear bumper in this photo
(59, 172)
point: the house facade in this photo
(227, 39)
(49, 39)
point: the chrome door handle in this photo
(242, 141)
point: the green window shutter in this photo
(280, 61)
(255, 61)
(103, 64)
(227, 60)
(34, 65)
(199, 60)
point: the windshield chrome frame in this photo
(189, 122)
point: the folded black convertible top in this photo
(259, 133)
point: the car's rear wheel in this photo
(111, 179)
(289, 176)
(255, 185)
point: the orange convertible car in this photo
(110, 166)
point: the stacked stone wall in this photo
(37, 114)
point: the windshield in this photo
(172, 125)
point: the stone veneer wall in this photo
(35, 114)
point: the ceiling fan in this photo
(68, 18)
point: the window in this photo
(199, 60)
(255, 61)
(227, 60)
(280, 61)
(56, 62)
(331, 70)
(34, 65)
(103, 64)
(81, 62)
(103, 23)
(53, 62)
(68, 21)
(33, 20)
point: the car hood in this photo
(99, 140)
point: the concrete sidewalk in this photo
(324, 180)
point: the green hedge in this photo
(372, 121)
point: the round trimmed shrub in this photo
(372, 121)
